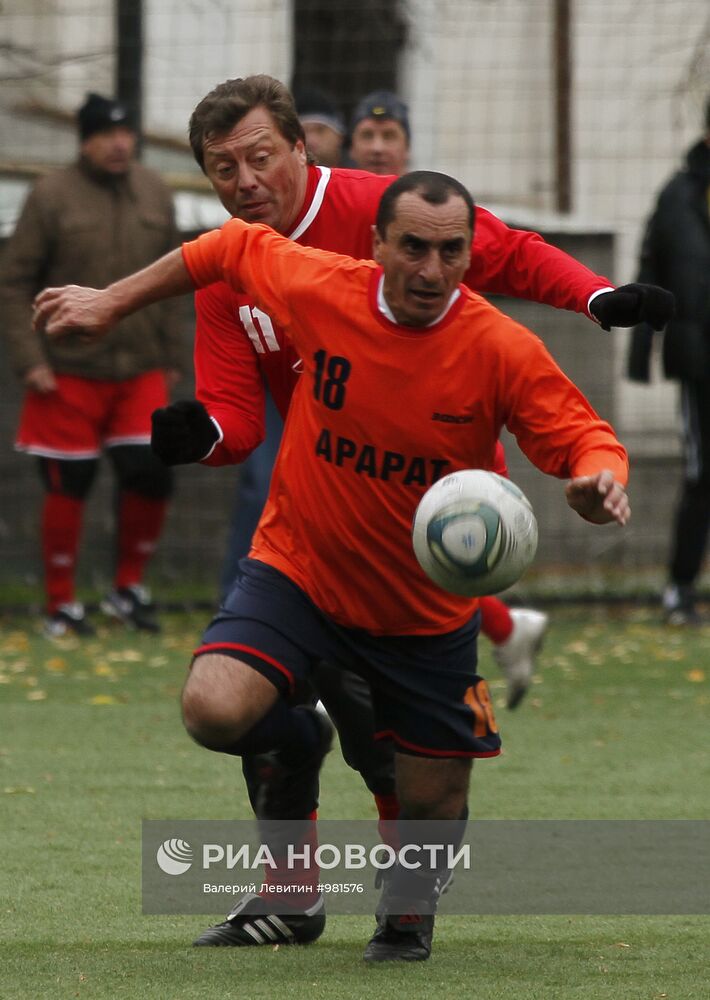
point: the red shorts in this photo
(85, 415)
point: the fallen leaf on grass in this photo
(15, 641)
(37, 695)
(103, 670)
(18, 790)
(578, 647)
(103, 699)
(56, 663)
(695, 676)
(674, 655)
(622, 944)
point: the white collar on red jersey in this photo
(386, 311)
(314, 206)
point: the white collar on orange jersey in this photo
(386, 311)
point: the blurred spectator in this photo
(323, 125)
(676, 254)
(379, 134)
(92, 223)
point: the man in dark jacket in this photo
(91, 223)
(676, 255)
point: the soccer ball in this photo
(474, 533)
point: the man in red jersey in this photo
(328, 578)
(247, 137)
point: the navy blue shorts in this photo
(426, 694)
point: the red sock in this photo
(388, 811)
(297, 885)
(496, 622)
(140, 521)
(61, 528)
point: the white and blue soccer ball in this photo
(474, 533)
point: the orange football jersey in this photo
(380, 413)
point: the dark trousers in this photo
(692, 516)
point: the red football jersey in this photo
(238, 345)
(380, 412)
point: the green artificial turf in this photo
(91, 742)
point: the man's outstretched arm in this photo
(95, 311)
(520, 263)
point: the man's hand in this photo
(599, 499)
(182, 432)
(40, 379)
(73, 309)
(632, 304)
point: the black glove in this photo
(182, 432)
(632, 304)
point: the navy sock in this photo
(420, 883)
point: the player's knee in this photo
(432, 789)
(426, 803)
(207, 723)
(68, 478)
(211, 719)
(140, 471)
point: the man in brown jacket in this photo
(92, 223)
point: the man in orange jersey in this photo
(330, 578)
(246, 136)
